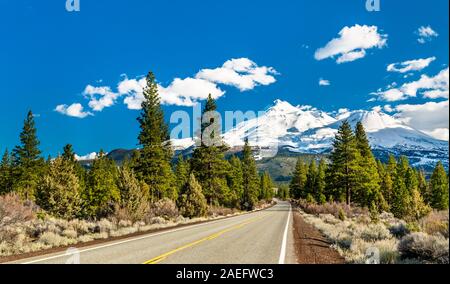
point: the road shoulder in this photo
(310, 245)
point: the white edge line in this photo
(137, 239)
(285, 235)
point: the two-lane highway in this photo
(262, 237)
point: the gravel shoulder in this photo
(311, 246)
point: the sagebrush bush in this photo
(375, 232)
(429, 249)
(164, 208)
(54, 240)
(399, 229)
(339, 210)
(435, 223)
(215, 211)
(14, 210)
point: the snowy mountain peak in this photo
(373, 120)
(308, 130)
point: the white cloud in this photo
(132, 90)
(180, 92)
(241, 73)
(100, 97)
(352, 43)
(410, 65)
(351, 56)
(431, 117)
(430, 87)
(74, 110)
(426, 34)
(323, 82)
(439, 133)
(388, 108)
(188, 92)
(87, 157)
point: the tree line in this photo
(63, 188)
(354, 176)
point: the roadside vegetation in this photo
(57, 202)
(360, 203)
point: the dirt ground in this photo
(311, 247)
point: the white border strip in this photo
(284, 243)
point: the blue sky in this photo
(49, 56)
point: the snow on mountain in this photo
(278, 121)
(307, 130)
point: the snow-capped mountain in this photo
(307, 130)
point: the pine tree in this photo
(321, 183)
(101, 191)
(283, 192)
(153, 161)
(192, 203)
(69, 156)
(250, 178)
(311, 179)
(6, 171)
(133, 194)
(298, 183)
(236, 182)
(266, 187)
(344, 169)
(362, 142)
(367, 190)
(59, 191)
(423, 186)
(28, 165)
(416, 207)
(439, 188)
(182, 170)
(401, 198)
(68, 153)
(208, 161)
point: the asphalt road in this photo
(263, 237)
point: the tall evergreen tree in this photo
(101, 191)
(368, 182)
(250, 178)
(153, 161)
(311, 180)
(439, 188)
(59, 191)
(68, 154)
(344, 169)
(28, 163)
(192, 202)
(401, 198)
(423, 186)
(134, 195)
(208, 161)
(6, 171)
(182, 170)
(266, 187)
(236, 181)
(321, 182)
(416, 207)
(298, 183)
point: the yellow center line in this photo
(160, 258)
